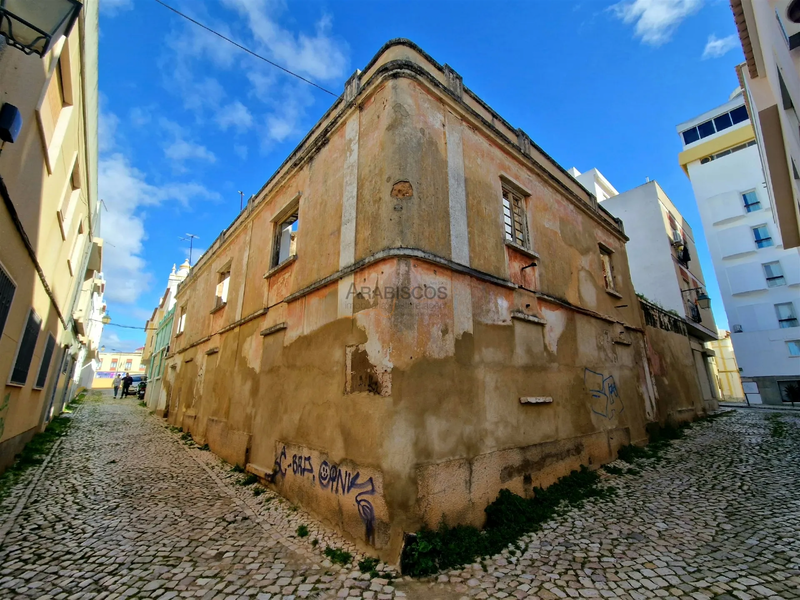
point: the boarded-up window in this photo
(41, 379)
(608, 269)
(7, 289)
(27, 345)
(514, 218)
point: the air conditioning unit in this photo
(676, 238)
(737, 329)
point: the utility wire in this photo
(238, 45)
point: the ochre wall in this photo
(380, 414)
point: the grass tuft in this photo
(250, 479)
(338, 556)
(302, 531)
(368, 564)
(507, 518)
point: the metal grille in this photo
(514, 219)
(7, 289)
(26, 347)
(45, 366)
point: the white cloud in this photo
(107, 130)
(234, 115)
(181, 150)
(716, 47)
(111, 340)
(318, 56)
(656, 20)
(113, 7)
(127, 195)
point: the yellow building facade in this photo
(112, 363)
(730, 382)
(51, 284)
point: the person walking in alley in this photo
(117, 383)
(126, 383)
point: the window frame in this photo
(38, 320)
(45, 363)
(4, 274)
(607, 269)
(789, 346)
(757, 203)
(757, 240)
(290, 212)
(790, 319)
(181, 321)
(517, 214)
(769, 278)
(224, 280)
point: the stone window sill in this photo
(179, 334)
(219, 307)
(614, 293)
(280, 267)
(274, 329)
(523, 250)
(518, 314)
(212, 351)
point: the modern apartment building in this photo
(759, 277)
(663, 262)
(770, 77)
(51, 284)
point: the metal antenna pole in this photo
(191, 237)
(241, 200)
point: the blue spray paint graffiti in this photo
(604, 389)
(338, 481)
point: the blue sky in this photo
(187, 120)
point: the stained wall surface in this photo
(409, 363)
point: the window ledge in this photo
(219, 307)
(522, 249)
(274, 329)
(15, 384)
(614, 293)
(188, 360)
(280, 267)
(179, 334)
(212, 351)
(518, 314)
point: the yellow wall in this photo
(105, 374)
(54, 148)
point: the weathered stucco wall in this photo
(409, 363)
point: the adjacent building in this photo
(727, 369)
(418, 309)
(770, 78)
(112, 362)
(759, 277)
(51, 284)
(663, 262)
(159, 333)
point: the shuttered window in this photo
(45, 366)
(26, 347)
(515, 223)
(7, 289)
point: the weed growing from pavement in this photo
(507, 518)
(302, 531)
(142, 403)
(777, 426)
(250, 479)
(258, 490)
(368, 564)
(237, 469)
(338, 556)
(314, 543)
(35, 451)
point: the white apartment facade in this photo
(759, 279)
(663, 262)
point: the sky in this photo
(187, 120)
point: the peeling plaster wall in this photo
(388, 395)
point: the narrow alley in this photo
(125, 508)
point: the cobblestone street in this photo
(127, 509)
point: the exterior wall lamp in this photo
(106, 319)
(703, 299)
(33, 26)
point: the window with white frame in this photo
(774, 274)
(515, 221)
(222, 288)
(794, 347)
(786, 315)
(762, 237)
(750, 201)
(286, 238)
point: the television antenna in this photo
(191, 238)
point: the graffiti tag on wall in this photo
(336, 480)
(604, 390)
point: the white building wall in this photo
(761, 348)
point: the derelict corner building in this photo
(380, 412)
